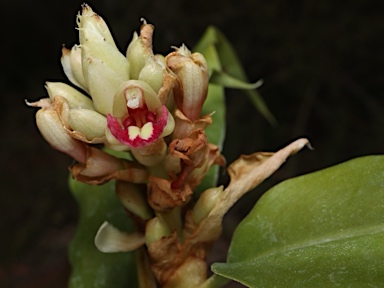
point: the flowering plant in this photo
(149, 128)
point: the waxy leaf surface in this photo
(324, 229)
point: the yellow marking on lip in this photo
(133, 132)
(144, 133)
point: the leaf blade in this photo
(231, 64)
(324, 229)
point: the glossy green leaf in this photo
(90, 267)
(227, 70)
(324, 229)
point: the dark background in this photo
(321, 62)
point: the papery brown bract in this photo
(169, 254)
(101, 167)
(246, 173)
(163, 197)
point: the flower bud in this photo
(103, 83)
(104, 67)
(95, 25)
(52, 129)
(74, 98)
(205, 204)
(109, 239)
(192, 72)
(73, 67)
(88, 122)
(133, 199)
(139, 51)
(152, 73)
(189, 274)
(155, 230)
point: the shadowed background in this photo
(321, 63)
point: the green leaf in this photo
(206, 46)
(215, 103)
(229, 81)
(90, 267)
(223, 61)
(324, 229)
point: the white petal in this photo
(109, 239)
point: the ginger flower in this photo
(139, 116)
(130, 102)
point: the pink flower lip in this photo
(141, 128)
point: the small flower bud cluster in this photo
(148, 106)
